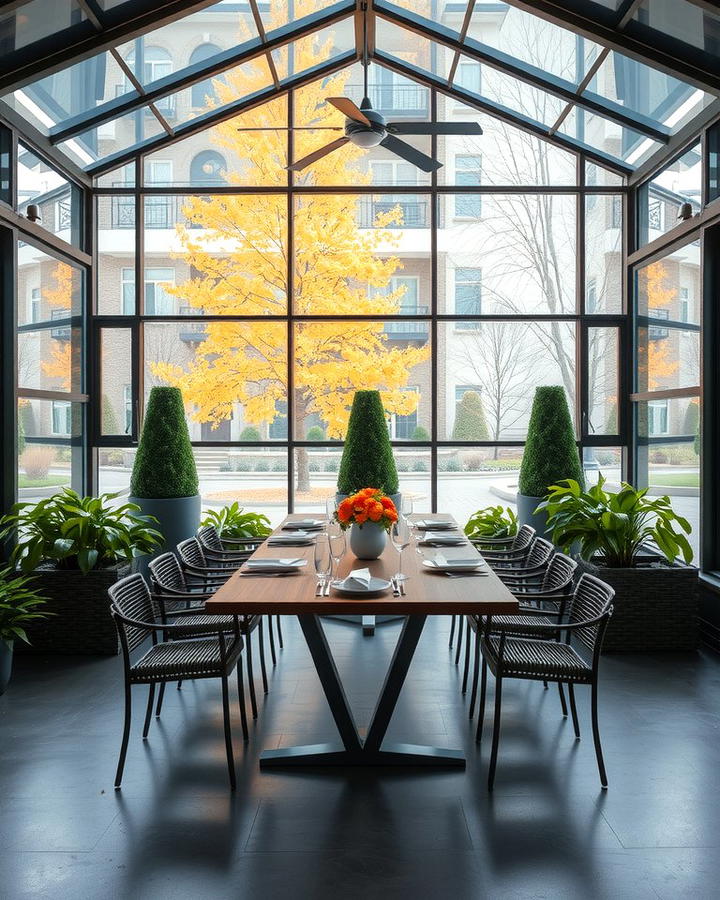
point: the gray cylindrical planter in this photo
(178, 518)
(526, 514)
(6, 659)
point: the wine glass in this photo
(406, 506)
(331, 507)
(400, 537)
(323, 559)
(336, 541)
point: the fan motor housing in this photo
(363, 135)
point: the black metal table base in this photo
(368, 622)
(353, 750)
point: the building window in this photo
(657, 332)
(468, 296)
(684, 305)
(208, 168)
(128, 407)
(657, 417)
(468, 76)
(468, 174)
(387, 171)
(403, 427)
(616, 211)
(61, 418)
(158, 302)
(157, 63)
(203, 90)
(35, 305)
(591, 296)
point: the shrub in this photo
(164, 464)
(692, 418)
(452, 464)
(420, 434)
(473, 462)
(611, 423)
(314, 465)
(233, 522)
(419, 465)
(250, 433)
(470, 423)
(109, 419)
(367, 459)
(36, 460)
(316, 433)
(18, 605)
(332, 464)
(243, 465)
(492, 521)
(402, 464)
(262, 465)
(551, 454)
(20, 437)
(279, 465)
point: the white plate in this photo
(444, 540)
(303, 525)
(454, 565)
(292, 540)
(375, 586)
(267, 564)
(433, 524)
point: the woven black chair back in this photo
(591, 599)
(560, 573)
(524, 538)
(190, 552)
(166, 574)
(132, 599)
(209, 537)
(540, 554)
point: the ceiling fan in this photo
(366, 128)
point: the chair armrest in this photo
(490, 540)
(171, 594)
(256, 541)
(562, 626)
(209, 574)
(534, 611)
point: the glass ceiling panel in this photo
(192, 39)
(110, 137)
(276, 13)
(608, 137)
(690, 23)
(642, 89)
(39, 19)
(412, 48)
(314, 49)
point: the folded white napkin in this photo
(358, 580)
(435, 523)
(298, 534)
(300, 524)
(265, 562)
(438, 537)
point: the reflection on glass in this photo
(603, 253)
(603, 383)
(661, 199)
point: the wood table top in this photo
(427, 592)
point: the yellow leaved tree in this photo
(237, 250)
(655, 358)
(59, 297)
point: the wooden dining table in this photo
(426, 593)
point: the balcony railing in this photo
(160, 212)
(415, 213)
(410, 101)
(60, 334)
(408, 329)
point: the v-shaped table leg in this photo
(354, 751)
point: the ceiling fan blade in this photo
(349, 109)
(317, 154)
(406, 152)
(292, 128)
(434, 128)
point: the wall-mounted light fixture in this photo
(33, 213)
(685, 211)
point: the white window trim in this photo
(64, 407)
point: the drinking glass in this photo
(406, 506)
(400, 537)
(323, 559)
(330, 508)
(336, 540)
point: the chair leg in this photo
(251, 680)
(596, 736)
(452, 631)
(573, 710)
(476, 670)
(148, 711)
(179, 684)
(279, 631)
(545, 684)
(459, 640)
(496, 732)
(161, 694)
(125, 737)
(272, 642)
(261, 639)
(481, 707)
(228, 735)
(563, 704)
(241, 701)
(466, 668)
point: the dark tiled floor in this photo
(547, 832)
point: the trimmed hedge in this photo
(164, 463)
(470, 422)
(551, 453)
(367, 459)
(249, 433)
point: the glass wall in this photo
(452, 296)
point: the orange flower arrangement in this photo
(367, 505)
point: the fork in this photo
(319, 587)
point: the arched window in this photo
(208, 168)
(156, 63)
(203, 89)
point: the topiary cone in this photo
(551, 453)
(164, 463)
(367, 459)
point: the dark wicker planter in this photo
(82, 623)
(656, 607)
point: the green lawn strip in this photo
(47, 481)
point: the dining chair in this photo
(539, 554)
(215, 547)
(543, 597)
(174, 590)
(175, 656)
(549, 657)
(195, 564)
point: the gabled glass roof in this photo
(150, 86)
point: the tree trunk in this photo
(302, 470)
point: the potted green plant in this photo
(233, 523)
(550, 455)
(18, 606)
(492, 522)
(164, 482)
(367, 459)
(77, 547)
(632, 542)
